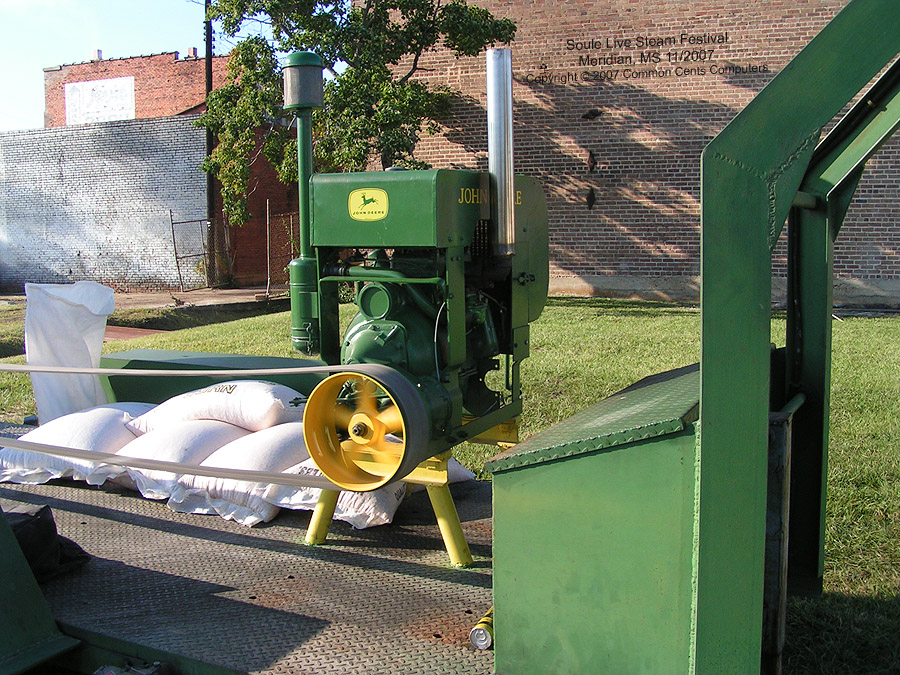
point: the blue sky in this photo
(42, 33)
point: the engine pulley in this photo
(366, 428)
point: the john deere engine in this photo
(448, 269)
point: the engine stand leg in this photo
(321, 517)
(448, 522)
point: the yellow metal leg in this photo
(448, 522)
(321, 517)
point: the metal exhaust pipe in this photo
(500, 149)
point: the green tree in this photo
(374, 106)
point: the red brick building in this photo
(615, 100)
(164, 85)
(160, 85)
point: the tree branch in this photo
(420, 47)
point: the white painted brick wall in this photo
(92, 202)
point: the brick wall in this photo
(164, 84)
(592, 120)
(248, 242)
(93, 201)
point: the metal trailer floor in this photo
(382, 600)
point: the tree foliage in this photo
(374, 106)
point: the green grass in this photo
(586, 349)
(583, 350)
(12, 323)
(864, 475)
(12, 319)
(177, 318)
(855, 626)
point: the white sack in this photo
(251, 404)
(101, 429)
(187, 442)
(457, 473)
(64, 326)
(133, 408)
(273, 450)
(360, 509)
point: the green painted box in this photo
(594, 531)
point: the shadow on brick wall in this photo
(620, 166)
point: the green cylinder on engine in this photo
(303, 274)
(390, 330)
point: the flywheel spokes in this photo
(357, 427)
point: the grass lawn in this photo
(586, 349)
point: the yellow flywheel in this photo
(366, 428)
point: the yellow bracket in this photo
(505, 434)
(432, 473)
(449, 525)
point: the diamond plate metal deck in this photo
(382, 600)
(10, 430)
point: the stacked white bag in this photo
(273, 450)
(100, 429)
(200, 428)
(242, 424)
(184, 442)
(360, 509)
(250, 404)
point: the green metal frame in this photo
(31, 641)
(28, 634)
(832, 178)
(762, 167)
(612, 490)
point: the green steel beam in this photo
(751, 174)
(97, 650)
(28, 635)
(859, 134)
(832, 177)
(810, 261)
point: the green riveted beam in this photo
(858, 135)
(99, 651)
(808, 348)
(831, 179)
(29, 636)
(751, 174)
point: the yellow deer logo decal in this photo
(367, 204)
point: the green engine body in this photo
(434, 302)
